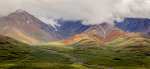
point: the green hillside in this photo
(12, 49)
(17, 55)
(139, 44)
(132, 52)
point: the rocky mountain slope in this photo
(141, 25)
(130, 25)
(69, 28)
(25, 27)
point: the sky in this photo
(90, 11)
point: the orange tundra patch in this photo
(75, 38)
(113, 34)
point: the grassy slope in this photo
(136, 45)
(12, 49)
(20, 36)
(121, 53)
(62, 49)
(17, 55)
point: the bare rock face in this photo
(141, 25)
(25, 27)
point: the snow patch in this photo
(28, 22)
(50, 21)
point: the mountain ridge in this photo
(134, 25)
(29, 26)
(101, 33)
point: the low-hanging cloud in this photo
(90, 11)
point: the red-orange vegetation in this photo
(75, 38)
(113, 34)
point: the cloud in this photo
(90, 11)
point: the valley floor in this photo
(59, 56)
(75, 60)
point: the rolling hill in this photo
(12, 49)
(18, 55)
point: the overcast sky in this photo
(90, 11)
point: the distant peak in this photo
(105, 24)
(19, 11)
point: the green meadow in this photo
(88, 55)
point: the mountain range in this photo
(69, 28)
(26, 42)
(25, 27)
(141, 25)
(101, 33)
